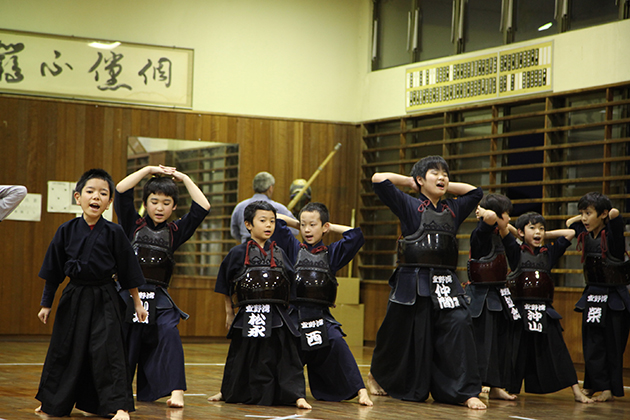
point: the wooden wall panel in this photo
(53, 140)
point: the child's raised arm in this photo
(460, 188)
(396, 179)
(291, 222)
(507, 229)
(569, 234)
(613, 213)
(132, 180)
(489, 217)
(573, 219)
(195, 192)
(335, 228)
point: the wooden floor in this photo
(21, 363)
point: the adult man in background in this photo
(263, 190)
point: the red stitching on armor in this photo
(251, 241)
(424, 205)
(444, 206)
(604, 244)
(527, 248)
(272, 263)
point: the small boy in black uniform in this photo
(263, 365)
(333, 374)
(605, 303)
(86, 365)
(426, 343)
(540, 357)
(155, 346)
(491, 307)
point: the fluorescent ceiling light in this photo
(546, 26)
(104, 45)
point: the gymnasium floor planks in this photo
(21, 361)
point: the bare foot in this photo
(301, 403)
(475, 404)
(40, 413)
(216, 397)
(588, 392)
(364, 398)
(177, 399)
(374, 387)
(579, 395)
(500, 394)
(121, 415)
(606, 395)
(485, 389)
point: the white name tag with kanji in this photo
(535, 317)
(148, 302)
(595, 311)
(515, 315)
(442, 290)
(314, 334)
(257, 321)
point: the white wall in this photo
(282, 58)
(588, 57)
(306, 59)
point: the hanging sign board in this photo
(516, 71)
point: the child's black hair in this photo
(430, 162)
(320, 208)
(98, 174)
(597, 200)
(160, 185)
(529, 217)
(250, 211)
(498, 203)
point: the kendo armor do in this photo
(531, 280)
(314, 281)
(263, 279)
(492, 268)
(601, 268)
(153, 248)
(434, 244)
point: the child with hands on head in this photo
(491, 306)
(332, 370)
(427, 327)
(542, 359)
(605, 303)
(85, 365)
(155, 346)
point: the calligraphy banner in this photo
(69, 67)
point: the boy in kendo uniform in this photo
(540, 356)
(155, 346)
(491, 306)
(85, 364)
(263, 366)
(425, 343)
(605, 303)
(332, 370)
